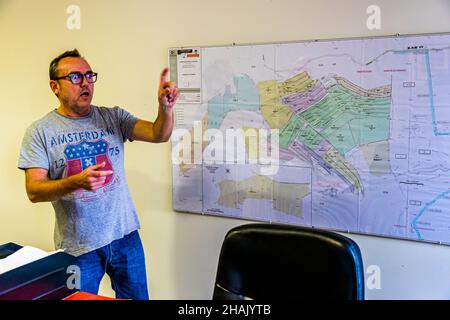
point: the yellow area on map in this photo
(377, 157)
(286, 197)
(338, 162)
(274, 112)
(297, 84)
(251, 139)
(277, 116)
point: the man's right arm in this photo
(40, 188)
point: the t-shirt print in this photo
(85, 154)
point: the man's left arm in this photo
(161, 129)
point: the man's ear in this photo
(55, 87)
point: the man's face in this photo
(76, 97)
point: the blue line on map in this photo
(422, 211)
(431, 94)
(426, 52)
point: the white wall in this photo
(125, 42)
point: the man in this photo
(73, 157)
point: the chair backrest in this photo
(270, 261)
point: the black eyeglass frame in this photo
(82, 76)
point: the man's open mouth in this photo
(84, 94)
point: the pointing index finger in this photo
(103, 173)
(164, 79)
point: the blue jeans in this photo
(123, 260)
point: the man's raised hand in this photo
(168, 92)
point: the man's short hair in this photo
(54, 64)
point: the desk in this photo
(87, 296)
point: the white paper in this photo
(23, 256)
(189, 73)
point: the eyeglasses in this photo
(77, 77)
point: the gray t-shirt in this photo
(85, 220)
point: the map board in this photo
(351, 135)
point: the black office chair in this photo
(269, 261)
